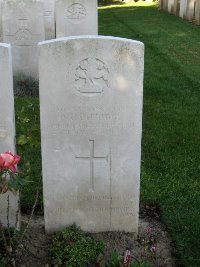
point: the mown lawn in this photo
(171, 120)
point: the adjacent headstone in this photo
(197, 12)
(91, 123)
(76, 17)
(183, 8)
(49, 16)
(23, 27)
(164, 5)
(1, 31)
(173, 7)
(190, 12)
(7, 132)
(170, 6)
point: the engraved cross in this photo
(92, 158)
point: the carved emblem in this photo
(76, 13)
(91, 76)
(23, 35)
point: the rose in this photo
(9, 161)
(153, 249)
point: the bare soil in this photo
(34, 252)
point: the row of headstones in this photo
(91, 121)
(186, 9)
(24, 23)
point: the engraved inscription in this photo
(48, 13)
(91, 77)
(89, 122)
(123, 210)
(91, 158)
(76, 13)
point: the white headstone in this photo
(190, 12)
(76, 17)
(7, 130)
(183, 8)
(1, 31)
(163, 5)
(197, 12)
(173, 7)
(49, 19)
(91, 123)
(23, 27)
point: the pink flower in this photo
(9, 161)
(153, 248)
(149, 230)
(127, 257)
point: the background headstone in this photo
(173, 7)
(197, 12)
(91, 123)
(1, 31)
(183, 8)
(190, 13)
(49, 19)
(23, 27)
(76, 17)
(7, 129)
(165, 5)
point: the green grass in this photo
(28, 147)
(171, 120)
(171, 125)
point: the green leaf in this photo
(22, 140)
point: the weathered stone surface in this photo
(1, 31)
(173, 7)
(183, 8)
(49, 19)
(23, 27)
(76, 17)
(91, 123)
(197, 12)
(190, 12)
(7, 129)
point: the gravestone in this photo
(183, 9)
(49, 19)
(76, 17)
(190, 12)
(23, 27)
(173, 7)
(170, 6)
(91, 123)
(197, 12)
(163, 5)
(7, 130)
(1, 31)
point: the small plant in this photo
(149, 241)
(73, 248)
(125, 260)
(115, 259)
(10, 180)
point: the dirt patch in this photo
(34, 252)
